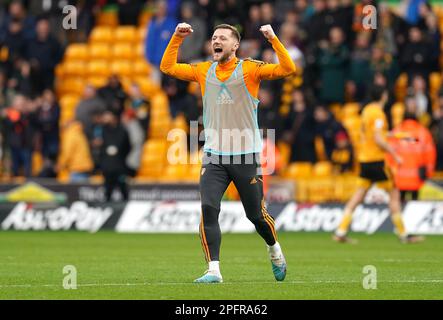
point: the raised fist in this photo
(183, 30)
(267, 31)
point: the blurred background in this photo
(68, 96)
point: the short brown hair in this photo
(232, 28)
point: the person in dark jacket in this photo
(47, 117)
(333, 61)
(326, 128)
(44, 52)
(113, 95)
(300, 130)
(417, 56)
(114, 151)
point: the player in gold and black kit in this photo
(371, 156)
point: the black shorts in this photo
(374, 171)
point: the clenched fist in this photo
(267, 31)
(183, 30)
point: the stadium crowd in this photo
(339, 60)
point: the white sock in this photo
(214, 266)
(275, 249)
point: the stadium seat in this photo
(397, 112)
(180, 123)
(140, 50)
(401, 86)
(66, 115)
(142, 68)
(144, 18)
(59, 70)
(98, 68)
(97, 81)
(285, 154)
(74, 68)
(72, 85)
(37, 163)
(126, 34)
(122, 51)
(155, 146)
(99, 51)
(141, 34)
(434, 83)
(323, 169)
(77, 51)
(69, 101)
(337, 111)
(320, 189)
(101, 34)
(149, 89)
(121, 68)
(298, 170)
(350, 110)
(107, 19)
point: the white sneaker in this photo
(278, 263)
(210, 277)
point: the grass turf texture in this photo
(163, 266)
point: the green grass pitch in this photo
(163, 266)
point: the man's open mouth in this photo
(218, 50)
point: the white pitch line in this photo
(225, 283)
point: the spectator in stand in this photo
(44, 52)
(113, 95)
(114, 151)
(338, 16)
(417, 57)
(317, 27)
(3, 86)
(287, 36)
(96, 139)
(432, 33)
(332, 63)
(385, 63)
(178, 95)
(342, 156)
(253, 23)
(22, 80)
(422, 102)
(47, 117)
(413, 143)
(226, 11)
(20, 128)
(137, 137)
(437, 130)
(192, 46)
(18, 12)
(89, 105)
(75, 156)
(360, 64)
(160, 30)
(268, 116)
(141, 107)
(327, 128)
(386, 34)
(300, 130)
(412, 12)
(268, 17)
(129, 11)
(14, 39)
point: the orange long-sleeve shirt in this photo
(254, 71)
